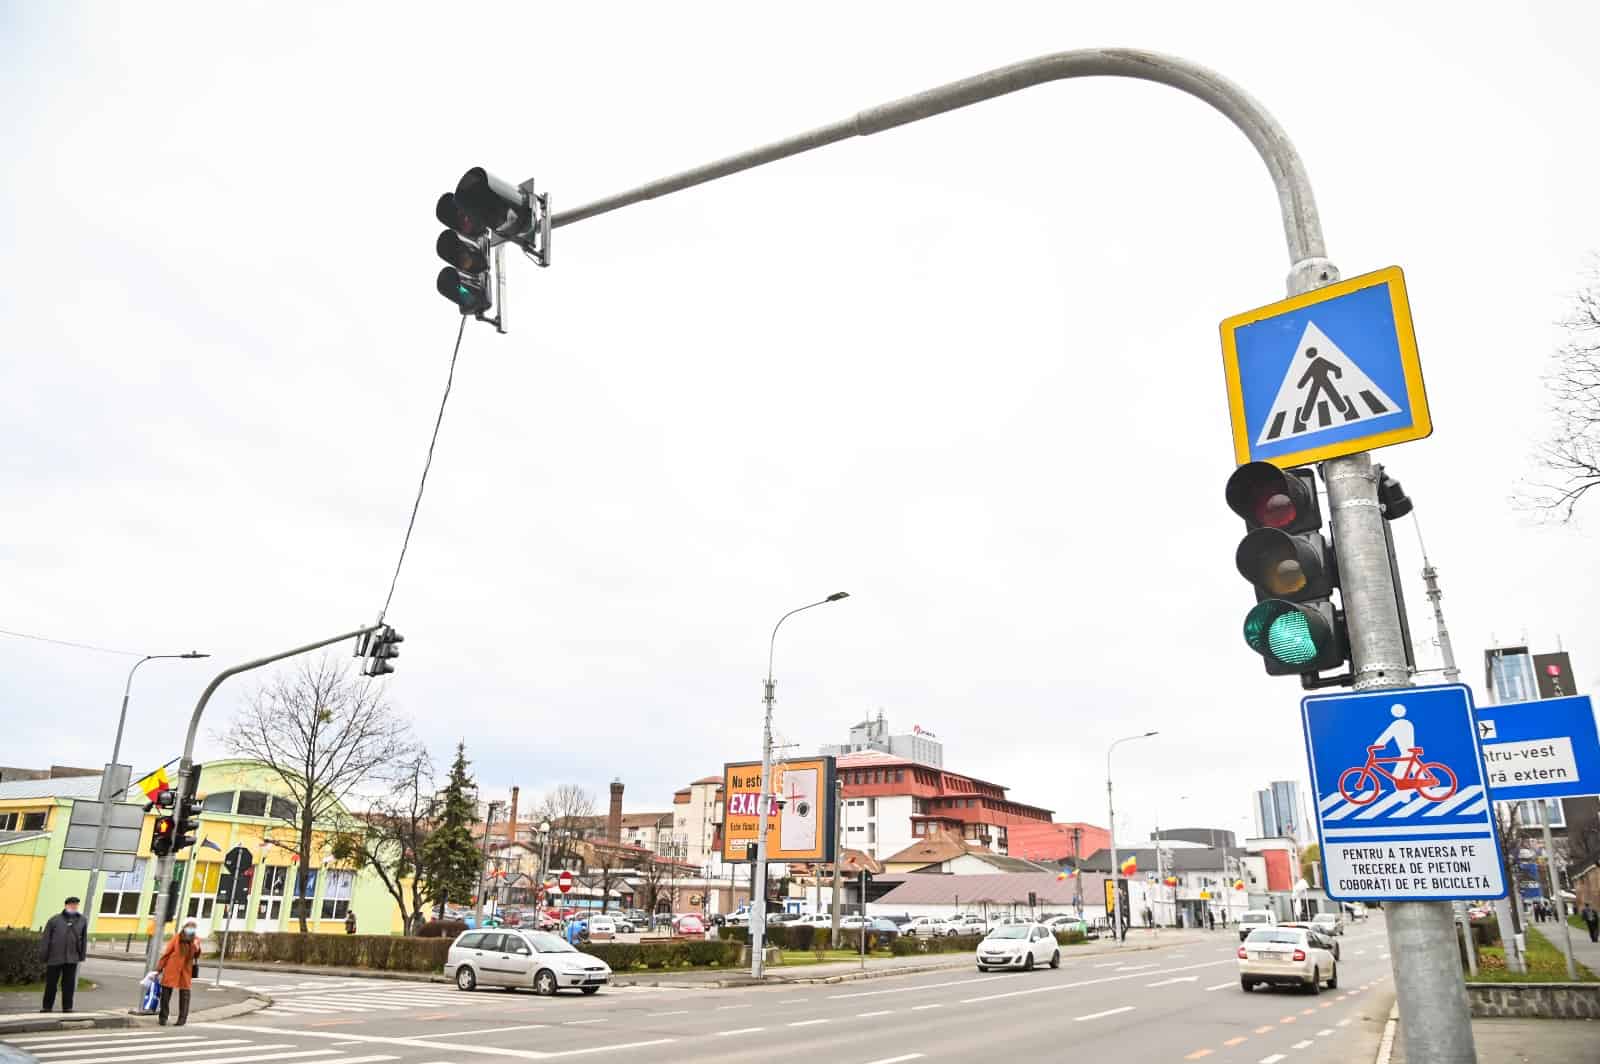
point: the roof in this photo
(59, 787)
(1172, 860)
(1003, 888)
(644, 820)
(855, 862)
(1049, 842)
(873, 757)
(707, 779)
(946, 846)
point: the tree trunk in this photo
(305, 868)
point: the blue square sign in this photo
(1403, 810)
(1543, 749)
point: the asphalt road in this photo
(1177, 1003)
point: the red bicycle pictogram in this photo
(1431, 779)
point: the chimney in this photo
(511, 821)
(614, 818)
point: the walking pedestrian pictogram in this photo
(1324, 374)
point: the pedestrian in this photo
(350, 922)
(179, 964)
(1211, 919)
(1591, 920)
(65, 945)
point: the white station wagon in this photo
(538, 960)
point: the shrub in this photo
(442, 929)
(389, 953)
(1070, 938)
(910, 945)
(19, 956)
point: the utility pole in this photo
(488, 827)
(838, 854)
(1432, 995)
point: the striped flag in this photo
(155, 785)
(1130, 866)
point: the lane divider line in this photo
(1101, 1015)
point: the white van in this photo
(1251, 919)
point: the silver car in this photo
(538, 960)
(1288, 956)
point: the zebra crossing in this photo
(181, 1046)
(331, 996)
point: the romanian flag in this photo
(1171, 881)
(1130, 866)
(155, 785)
(1238, 884)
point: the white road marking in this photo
(897, 1060)
(1175, 979)
(741, 1030)
(1098, 1015)
(808, 1023)
(1084, 982)
(155, 1054)
(1272, 1059)
(594, 1049)
(1138, 967)
(722, 1007)
(574, 1023)
(913, 989)
(919, 1008)
(485, 1030)
(865, 1015)
(1301, 1045)
(1220, 986)
(1325, 1032)
(674, 1012)
(107, 1037)
(1344, 1022)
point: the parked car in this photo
(537, 960)
(602, 928)
(624, 924)
(1333, 943)
(689, 925)
(1025, 946)
(819, 919)
(1358, 910)
(1067, 923)
(851, 923)
(900, 919)
(886, 929)
(1328, 923)
(1287, 956)
(965, 924)
(927, 927)
(740, 918)
(1251, 919)
(776, 919)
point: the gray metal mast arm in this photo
(1302, 227)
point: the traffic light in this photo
(161, 835)
(187, 828)
(1294, 625)
(382, 649)
(483, 211)
(464, 244)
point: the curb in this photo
(1386, 1045)
(112, 1020)
(302, 969)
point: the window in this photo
(33, 821)
(203, 888)
(252, 803)
(283, 809)
(492, 943)
(221, 802)
(514, 944)
(899, 775)
(120, 896)
(336, 898)
(8, 821)
(274, 880)
(916, 828)
(307, 891)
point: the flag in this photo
(1238, 884)
(207, 844)
(1171, 881)
(1130, 866)
(1067, 873)
(155, 785)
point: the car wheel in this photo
(1316, 982)
(1027, 965)
(983, 967)
(545, 983)
(1055, 959)
(1333, 978)
(590, 989)
(466, 978)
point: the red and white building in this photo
(891, 802)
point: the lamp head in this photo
(836, 596)
(194, 654)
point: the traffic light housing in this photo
(161, 835)
(382, 648)
(485, 210)
(464, 245)
(187, 816)
(1294, 625)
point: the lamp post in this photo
(105, 790)
(758, 885)
(544, 859)
(1117, 932)
(488, 826)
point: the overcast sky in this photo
(967, 371)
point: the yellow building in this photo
(243, 804)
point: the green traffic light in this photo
(1289, 640)
(1287, 634)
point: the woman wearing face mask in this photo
(176, 967)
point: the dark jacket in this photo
(66, 939)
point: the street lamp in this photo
(758, 885)
(1111, 818)
(106, 795)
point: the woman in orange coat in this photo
(176, 968)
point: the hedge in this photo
(450, 929)
(19, 957)
(384, 953)
(625, 956)
(910, 945)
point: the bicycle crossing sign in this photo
(1324, 374)
(1400, 791)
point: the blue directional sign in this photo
(1324, 374)
(1543, 749)
(1403, 813)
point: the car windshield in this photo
(1324, 918)
(1253, 918)
(545, 942)
(1011, 931)
(1289, 937)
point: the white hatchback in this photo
(1024, 946)
(538, 960)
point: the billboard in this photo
(1553, 674)
(800, 809)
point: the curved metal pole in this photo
(1301, 225)
(1115, 915)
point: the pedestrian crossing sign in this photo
(1328, 373)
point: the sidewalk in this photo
(1525, 1041)
(1584, 952)
(110, 1003)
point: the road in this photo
(1177, 1003)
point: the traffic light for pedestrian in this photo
(382, 649)
(1294, 626)
(187, 826)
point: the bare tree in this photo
(656, 885)
(388, 837)
(608, 863)
(322, 732)
(1569, 456)
(570, 810)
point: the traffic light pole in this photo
(164, 865)
(1428, 981)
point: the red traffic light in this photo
(1269, 497)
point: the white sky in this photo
(967, 371)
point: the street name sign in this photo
(1543, 749)
(1403, 812)
(1328, 373)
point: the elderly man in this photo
(65, 945)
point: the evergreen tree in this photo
(451, 861)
